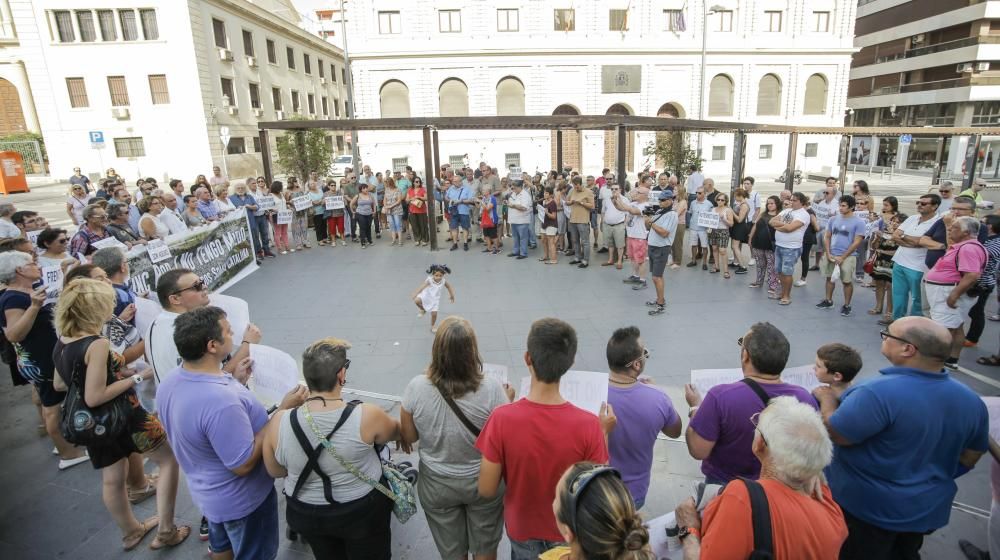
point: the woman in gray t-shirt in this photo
(460, 521)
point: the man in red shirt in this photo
(531, 442)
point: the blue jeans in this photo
(530, 549)
(532, 240)
(905, 288)
(261, 234)
(520, 232)
(254, 536)
(395, 222)
(785, 259)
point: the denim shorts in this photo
(785, 259)
(459, 220)
(253, 536)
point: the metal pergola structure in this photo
(623, 125)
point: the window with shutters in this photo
(256, 144)
(228, 95)
(343, 74)
(507, 19)
(150, 28)
(324, 103)
(618, 20)
(772, 21)
(399, 164)
(510, 97)
(674, 20)
(130, 147)
(821, 22)
(85, 21)
(769, 95)
(236, 145)
(106, 19)
(306, 64)
(388, 23)
(816, 92)
(564, 20)
(764, 152)
(219, 30)
(311, 103)
(333, 73)
(130, 30)
(118, 90)
(511, 160)
(77, 89)
(346, 112)
(812, 149)
(272, 54)
(295, 101)
(276, 98)
(319, 67)
(158, 89)
(453, 98)
(724, 21)
(720, 96)
(254, 96)
(336, 108)
(64, 26)
(290, 57)
(718, 153)
(247, 43)
(450, 21)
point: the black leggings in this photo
(319, 225)
(365, 224)
(805, 257)
(978, 316)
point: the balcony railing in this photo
(936, 84)
(938, 47)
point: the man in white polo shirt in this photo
(613, 226)
(910, 266)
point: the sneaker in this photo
(602, 250)
(487, 250)
(825, 304)
(583, 264)
(69, 463)
(511, 254)
(640, 285)
(800, 283)
(269, 254)
(574, 261)
(658, 310)
(454, 247)
(813, 267)
(950, 363)
(284, 252)
(632, 279)
(203, 529)
(651, 303)
(343, 243)
(753, 262)
(465, 246)
(741, 270)
(520, 257)
(845, 311)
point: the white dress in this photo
(162, 231)
(430, 296)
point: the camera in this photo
(652, 210)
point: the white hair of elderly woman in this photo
(10, 262)
(798, 444)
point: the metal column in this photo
(559, 150)
(620, 158)
(265, 155)
(971, 160)
(739, 161)
(437, 158)
(939, 162)
(429, 185)
(793, 146)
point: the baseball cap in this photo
(667, 194)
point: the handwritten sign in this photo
(52, 279)
(109, 241)
(705, 379)
(237, 313)
(285, 217)
(334, 202)
(265, 202)
(708, 220)
(496, 372)
(274, 374)
(664, 547)
(301, 203)
(585, 389)
(158, 251)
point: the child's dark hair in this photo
(442, 268)
(840, 358)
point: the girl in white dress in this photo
(427, 296)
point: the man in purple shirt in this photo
(643, 412)
(721, 431)
(213, 422)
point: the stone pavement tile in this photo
(54, 521)
(11, 551)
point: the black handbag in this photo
(84, 425)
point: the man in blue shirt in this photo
(901, 440)
(206, 206)
(842, 237)
(458, 199)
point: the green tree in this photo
(673, 151)
(303, 151)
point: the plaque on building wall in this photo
(621, 79)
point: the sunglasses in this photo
(579, 483)
(197, 286)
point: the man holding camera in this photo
(459, 197)
(635, 231)
(662, 227)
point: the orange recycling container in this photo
(12, 177)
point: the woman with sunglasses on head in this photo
(596, 517)
(76, 202)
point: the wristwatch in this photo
(684, 532)
(137, 379)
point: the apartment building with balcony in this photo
(174, 87)
(926, 63)
(768, 61)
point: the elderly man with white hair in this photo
(7, 228)
(951, 284)
(793, 448)
(170, 216)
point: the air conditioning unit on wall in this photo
(982, 66)
(120, 113)
(226, 54)
(964, 67)
(251, 62)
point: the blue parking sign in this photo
(905, 139)
(96, 137)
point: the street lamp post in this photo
(704, 56)
(350, 89)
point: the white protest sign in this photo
(158, 250)
(708, 220)
(497, 372)
(705, 379)
(146, 311)
(52, 279)
(301, 203)
(285, 217)
(585, 389)
(265, 203)
(334, 202)
(274, 373)
(664, 547)
(109, 241)
(237, 313)
(993, 406)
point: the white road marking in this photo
(980, 377)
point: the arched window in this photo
(769, 95)
(510, 97)
(571, 140)
(816, 89)
(669, 110)
(720, 96)
(453, 98)
(394, 100)
(611, 140)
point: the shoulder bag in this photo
(760, 514)
(756, 388)
(84, 425)
(400, 489)
(458, 412)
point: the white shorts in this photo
(551, 231)
(937, 298)
(697, 236)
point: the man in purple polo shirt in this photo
(212, 422)
(721, 431)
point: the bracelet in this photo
(691, 411)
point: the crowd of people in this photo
(851, 470)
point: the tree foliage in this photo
(303, 151)
(673, 151)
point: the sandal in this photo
(753, 285)
(726, 275)
(874, 311)
(619, 266)
(131, 541)
(993, 361)
(704, 267)
(785, 302)
(713, 271)
(174, 537)
(138, 496)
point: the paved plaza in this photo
(363, 296)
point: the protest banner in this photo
(274, 373)
(264, 202)
(705, 379)
(284, 217)
(334, 202)
(301, 203)
(221, 254)
(497, 372)
(585, 389)
(708, 220)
